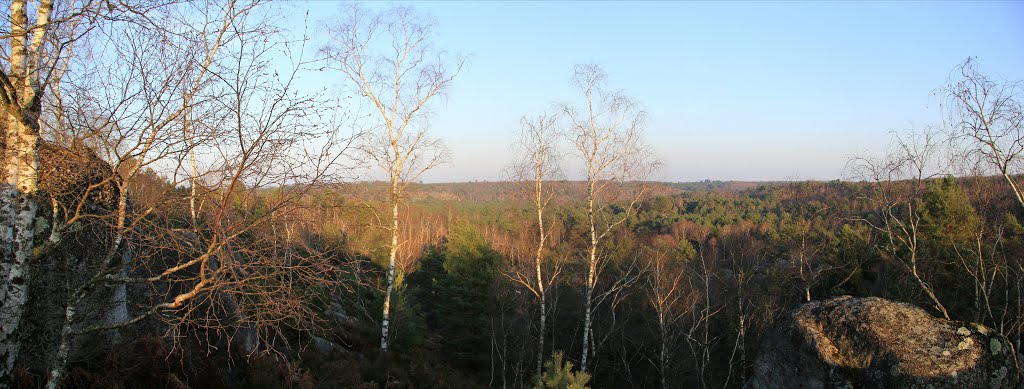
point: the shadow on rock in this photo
(849, 342)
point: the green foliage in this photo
(852, 247)
(658, 205)
(558, 374)
(947, 214)
(408, 324)
(455, 288)
(1013, 227)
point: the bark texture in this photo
(18, 203)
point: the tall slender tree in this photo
(22, 87)
(537, 163)
(670, 297)
(607, 138)
(388, 59)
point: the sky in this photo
(753, 91)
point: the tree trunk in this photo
(386, 320)
(591, 276)
(18, 205)
(1013, 186)
(539, 202)
(663, 354)
(60, 359)
(540, 336)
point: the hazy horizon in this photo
(735, 91)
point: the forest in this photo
(180, 212)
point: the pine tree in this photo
(558, 374)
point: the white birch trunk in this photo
(118, 313)
(386, 319)
(540, 280)
(540, 337)
(663, 353)
(18, 206)
(591, 278)
(56, 374)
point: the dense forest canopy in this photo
(178, 211)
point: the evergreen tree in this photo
(455, 289)
(558, 374)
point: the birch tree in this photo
(670, 297)
(116, 110)
(607, 138)
(537, 163)
(22, 87)
(388, 60)
(127, 133)
(987, 116)
(912, 159)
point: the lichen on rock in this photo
(877, 343)
(995, 346)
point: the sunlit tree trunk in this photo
(537, 261)
(18, 206)
(607, 134)
(386, 319)
(591, 279)
(542, 293)
(537, 160)
(397, 80)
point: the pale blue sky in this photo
(735, 91)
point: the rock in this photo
(66, 173)
(325, 346)
(336, 312)
(877, 343)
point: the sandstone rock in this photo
(64, 174)
(336, 312)
(877, 343)
(325, 346)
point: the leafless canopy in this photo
(607, 131)
(388, 60)
(172, 95)
(607, 136)
(899, 180)
(986, 118)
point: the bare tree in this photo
(899, 182)
(607, 136)
(698, 337)
(388, 59)
(128, 133)
(979, 258)
(987, 117)
(669, 294)
(803, 245)
(34, 49)
(537, 162)
(125, 127)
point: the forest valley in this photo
(178, 212)
(688, 284)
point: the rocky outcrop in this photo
(67, 259)
(848, 342)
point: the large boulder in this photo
(67, 174)
(849, 342)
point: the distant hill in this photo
(488, 191)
